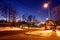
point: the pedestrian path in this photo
(9, 28)
(44, 33)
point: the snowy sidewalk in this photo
(9, 28)
(45, 33)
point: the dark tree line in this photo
(30, 18)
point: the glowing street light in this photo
(46, 5)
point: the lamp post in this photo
(46, 5)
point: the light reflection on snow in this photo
(9, 28)
(40, 33)
(58, 33)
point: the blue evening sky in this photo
(33, 7)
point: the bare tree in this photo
(30, 18)
(5, 12)
(56, 12)
(24, 17)
(8, 12)
(4, 9)
(34, 18)
(14, 15)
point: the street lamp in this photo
(46, 5)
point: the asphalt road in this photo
(20, 35)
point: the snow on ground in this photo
(45, 33)
(34, 28)
(9, 28)
(16, 28)
(58, 33)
